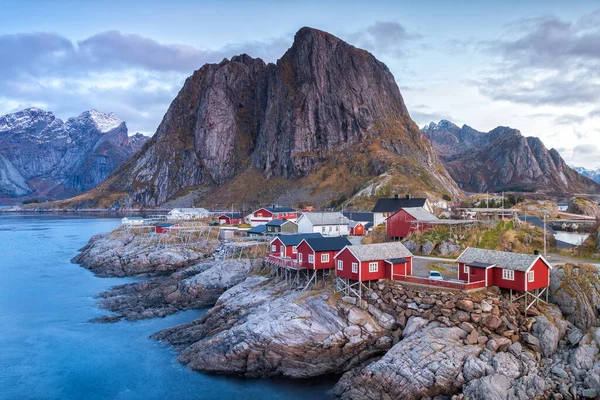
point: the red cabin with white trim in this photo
(319, 253)
(230, 219)
(285, 246)
(373, 261)
(267, 214)
(520, 272)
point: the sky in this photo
(533, 66)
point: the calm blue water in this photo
(48, 350)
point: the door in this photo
(282, 251)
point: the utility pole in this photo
(487, 197)
(544, 234)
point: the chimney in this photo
(408, 197)
(273, 206)
(536, 252)
(396, 196)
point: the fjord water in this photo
(49, 350)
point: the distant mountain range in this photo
(590, 173)
(503, 160)
(45, 158)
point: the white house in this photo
(188, 213)
(326, 223)
(563, 206)
(132, 221)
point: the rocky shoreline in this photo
(400, 341)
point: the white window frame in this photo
(323, 229)
(531, 276)
(466, 269)
(340, 265)
(299, 257)
(273, 248)
(311, 259)
(294, 249)
(373, 266)
(324, 258)
(355, 268)
(508, 275)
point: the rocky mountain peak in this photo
(284, 120)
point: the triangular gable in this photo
(536, 260)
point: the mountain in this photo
(503, 160)
(43, 157)
(323, 123)
(593, 174)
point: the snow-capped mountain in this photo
(593, 174)
(43, 157)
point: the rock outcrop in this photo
(583, 206)
(195, 287)
(325, 107)
(576, 290)
(44, 157)
(503, 160)
(257, 328)
(123, 253)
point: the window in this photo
(311, 258)
(323, 229)
(300, 257)
(508, 274)
(337, 228)
(530, 276)
(324, 257)
(354, 268)
(330, 229)
(340, 265)
(466, 269)
(294, 249)
(273, 248)
(373, 267)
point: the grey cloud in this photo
(546, 61)
(383, 37)
(569, 119)
(594, 113)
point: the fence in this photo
(444, 284)
(285, 262)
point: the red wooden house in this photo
(520, 272)
(357, 228)
(408, 220)
(163, 227)
(373, 261)
(230, 218)
(267, 214)
(318, 253)
(285, 246)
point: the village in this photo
(304, 247)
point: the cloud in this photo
(383, 37)
(569, 119)
(594, 113)
(546, 61)
(133, 76)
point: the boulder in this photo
(465, 305)
(548, 335)
(491, 321)
(491, 387)
(576, 290)
(413, 325)
(507, 365)
(427, 248)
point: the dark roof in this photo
(231, 215)
(393, 204)
(328, 243)
(294, 240)
(397, 260)
(278, 209)
(479, 264)
(278, 222)
(359, 216)
(258, 229)
(164, 225)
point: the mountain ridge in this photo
(56, 159)
(285, 121)
(503, 160)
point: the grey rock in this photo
(560, 372)
(579, 302)
(507, 365)
(427, 248)
(548, 335)
(492, 387)
(414, 324)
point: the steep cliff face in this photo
(288, 120)
(56, 159)
(503, 159)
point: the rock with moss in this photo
(576, 290)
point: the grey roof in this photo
(502, 259)
(258, 229)
(279, 222)
(191, 210)
(380, 251)
(326, 218)
(420, 214)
